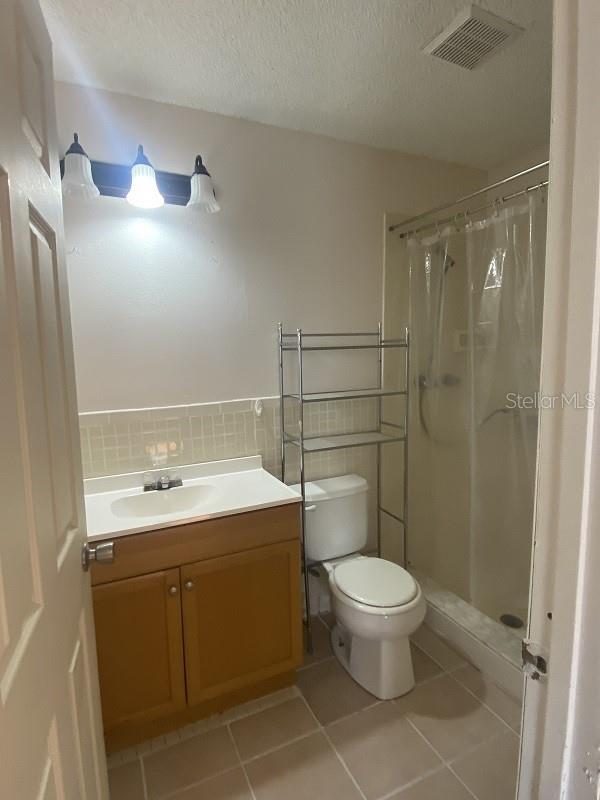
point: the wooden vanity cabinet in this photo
(240, 618)
(140, 659)
(196, 618)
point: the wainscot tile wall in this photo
(116, 442)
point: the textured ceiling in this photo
(351, 69)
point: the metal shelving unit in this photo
(297, 343)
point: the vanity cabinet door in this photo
(140, 648)
(242, 619)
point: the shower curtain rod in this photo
(409, 222)
(473, 211)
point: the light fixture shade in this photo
(77, 178)
(202, 191)
(144, 191)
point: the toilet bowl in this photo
(377, 604)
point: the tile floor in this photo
(454, 737)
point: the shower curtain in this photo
(475, 316)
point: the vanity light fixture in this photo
(77, 180)
(202, 191)
(144, 191)
(139, 183)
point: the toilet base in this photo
(383, 668)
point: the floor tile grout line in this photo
(450, 672)
(346, 716)
(243, 762)
(414, 782)
(279, 747)
(315, 663)
(250, 713)
(424, 682)
(443, 667)
(469, 752)
(344, 765)
(149, 747)
(302, 736)
(484, 704)
(333, 747)
(164, 743)
(122, 757)
(173, 795)
(144, 781)
(444, 761)
(460, 780)
(449, 763)
(239, 757)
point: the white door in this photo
(561, 730)
(50, 727)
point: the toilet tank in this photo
(336, 516)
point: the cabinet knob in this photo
(188, 586)
(172, 590)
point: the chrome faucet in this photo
(161, 482)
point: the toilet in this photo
(377, 604)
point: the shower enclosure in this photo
(475, 310)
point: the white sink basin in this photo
(116, 505)
(166, 501)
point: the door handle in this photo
(188, 586)
(103, 553)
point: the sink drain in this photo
(511, 621)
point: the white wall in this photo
(170, 306)
(528, 159)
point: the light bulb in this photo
(202, 192)
(77, 180)
(144, 191)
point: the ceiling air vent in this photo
(471, 37)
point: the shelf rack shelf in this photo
(332, 347)
(338, 441)
(348, 394)
(296, 343)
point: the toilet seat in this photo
(375, 582)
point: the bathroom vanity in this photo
(200, 608)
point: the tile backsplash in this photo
(115, 442)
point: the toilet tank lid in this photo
(329, 488)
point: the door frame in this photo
(561, 720)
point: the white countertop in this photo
(118, 506)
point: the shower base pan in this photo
(489, 645)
